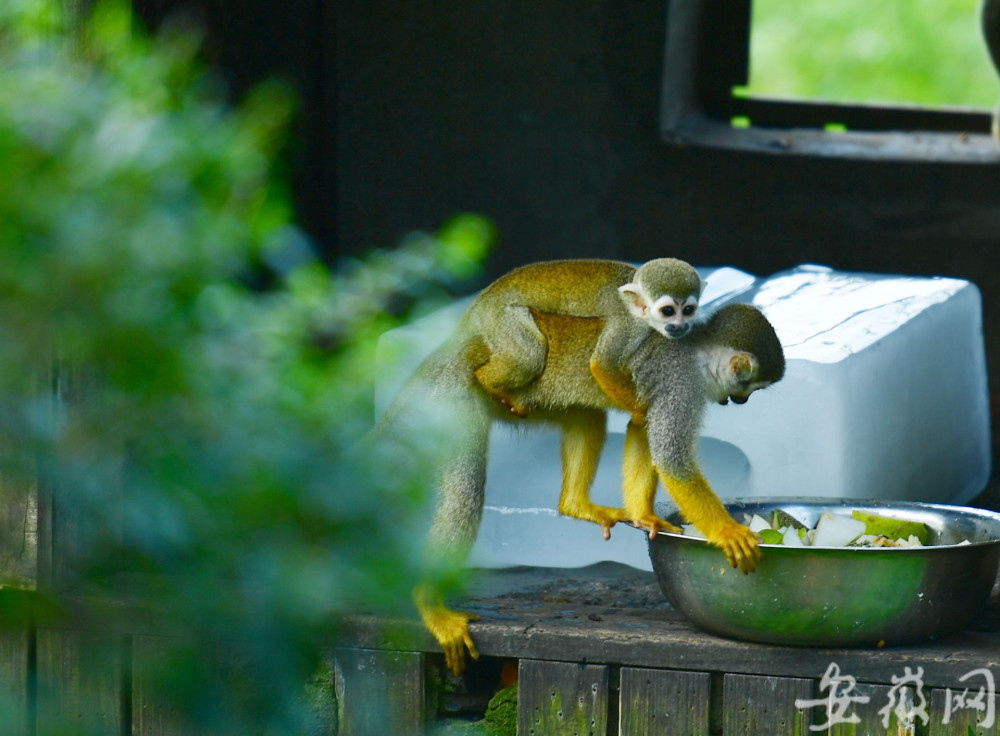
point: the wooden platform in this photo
(599, 651)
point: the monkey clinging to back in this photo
(660, 295)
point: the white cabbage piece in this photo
(791, 538)
(836, 530)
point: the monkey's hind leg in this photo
(461, 488)
(617, 384)
(701, 507)
(618, 340)
(639, 482)
(582, 440)
(517, 355)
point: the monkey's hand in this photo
(450, 628)
(739, 544)
(654, 524)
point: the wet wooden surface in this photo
(611, 613)
(600, 649)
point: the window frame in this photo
(707, 55)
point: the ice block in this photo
(884, 396)
(885, 393)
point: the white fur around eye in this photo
(715, 366)
(662, 303)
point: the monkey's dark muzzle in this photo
(675, 331)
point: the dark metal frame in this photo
(708, 54)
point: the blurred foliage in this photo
(202, 433)
(927, 52)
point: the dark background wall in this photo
(543, 115)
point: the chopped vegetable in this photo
(835, 530)
(781, 519)
(896, 529)
(793, 536)
(860, 529)
(771, 536)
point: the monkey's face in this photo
(740, 394)
(669, 311)
(673, 316)
(732, 376)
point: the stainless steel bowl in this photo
(836, 597)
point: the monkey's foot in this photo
(518, 410)
(654, 525)
(450, 628)
(606, 516)
(740, 546)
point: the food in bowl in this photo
(836, 596)
(859, 529)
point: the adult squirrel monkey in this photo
(728, 357)
(668, 385)
(660, 295)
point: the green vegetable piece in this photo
(782, 518)
(771, 536)
(892, 528)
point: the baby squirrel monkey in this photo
(660, 295)
(668, 383)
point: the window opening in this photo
(921, 52)
(713, 96)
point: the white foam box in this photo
(885, 393)
(884, 397)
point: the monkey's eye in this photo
(667, 311)
(688, 310)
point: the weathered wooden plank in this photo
(557, 698)
(379, 692)
(654, 702)
(965, 710)
(68, 527)
(18, 514)
(15, 653)
(528, 628)
(162, 695)
(80, 681)
(753, 705)
(152, 715)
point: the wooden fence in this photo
(582, 669)
(594, 669)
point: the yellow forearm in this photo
(701, 507)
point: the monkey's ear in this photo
(634, 299)
(743, 365)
